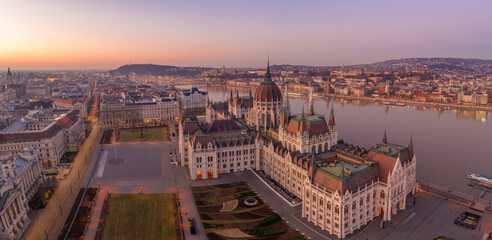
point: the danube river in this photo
(448, 144)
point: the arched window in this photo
(382, 194)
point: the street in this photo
(48, 222)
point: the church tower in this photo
(9, 78)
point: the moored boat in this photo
(480, 179)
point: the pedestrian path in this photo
(91, 232)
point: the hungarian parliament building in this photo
(342, 187)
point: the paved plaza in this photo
(144, 167)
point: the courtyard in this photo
(141, 216)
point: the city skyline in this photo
(92, 35)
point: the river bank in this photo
(391, 101)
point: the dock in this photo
(474, 202)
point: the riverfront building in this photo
(193, 99)
(342, 187)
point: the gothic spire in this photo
(286, 102)
(9, 73)
(301, 123)
(410, 144)
(231, 94)
(237, 94)
(385, 139)
(268, 76)
(250, 95)
(311, 105)
(331, 122)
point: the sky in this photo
(94, 34)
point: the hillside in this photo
(157, 70)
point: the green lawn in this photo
(140, 216)
(151, 134)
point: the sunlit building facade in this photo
(342, 187)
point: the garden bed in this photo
(259, 221)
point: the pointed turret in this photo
(286, 104)
(331, 122)
(385, 139)
(237, 94)
(250, 95)
(301, 123)
(311, 104)
(231, 94)
(410, 144)
(9, 74)
(284, 118)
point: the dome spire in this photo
(268, 75)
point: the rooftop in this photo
(336, 170)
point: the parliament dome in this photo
(268, 91)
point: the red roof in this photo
(190, 127)
(65, 122)
(386, 164)
(314, 127)
(66, 101)
(223, 125)
(352, 184)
